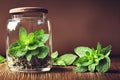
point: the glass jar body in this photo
(29, 43)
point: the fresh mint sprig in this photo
(30, 44)
(63, 60)
(92, 60)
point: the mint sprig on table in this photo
(63, 60)
(89, 59)
(30, 44)
(92, 60)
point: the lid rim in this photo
(27, 9)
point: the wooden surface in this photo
(63, 73)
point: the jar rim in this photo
(27, 10)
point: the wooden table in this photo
(63, 73)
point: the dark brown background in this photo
(74, 22)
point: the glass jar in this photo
(29, 40)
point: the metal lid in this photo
(27, 9)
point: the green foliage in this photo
(54, 55)
(104, 65)
(80, 51)
(80, 69)
(2, 59)
(63, 60)
(44, 50)
(93, 59)
(89, 59)
(33, 44)
(30, 44)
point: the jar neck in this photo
(25, 15)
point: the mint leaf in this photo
(99, 47)
(87, 63)
(34, 52)
(28, 57)
(104, 65)
(22, 34)
(91, 67)
(39, 34)
(81, 51)
(20, 53)
(81, 69)
(63, 60)
(30, 37)
(68, 58)
(45, 38)
(33, 46)
(83, 61)
(2, 59)
(43, 52)
(54, 55)
(106, 51)
(60, 63)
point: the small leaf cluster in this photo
(63, 60)
(30, 44)
(91, 59)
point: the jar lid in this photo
(27, 9)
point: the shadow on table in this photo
(114, 71)
(61, 69)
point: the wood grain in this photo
(62, 73)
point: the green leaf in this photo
(68, 58)
(87, 63)
(14, 46)
(43, 52)
(54, 55)
(30, 37)
(81, 51)
(93, 51)
(81, 69)
(34, 52)
(104, 65)
(99, 47)
(22, 34)
(45, 38)
(39, 34)
(60, 63)
(91, 67)
(40, 44)
(106, 51)
(35, 45)
(81, 60)
(28, 57)
(32, 47)
(100, 56)
(2, 59)
(15, 49)
(20, 53)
